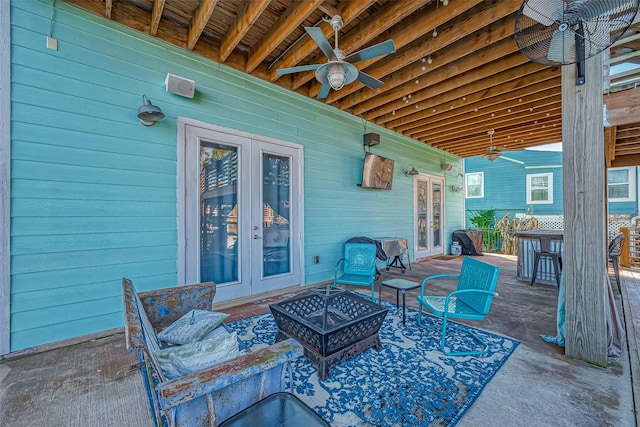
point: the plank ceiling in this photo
(446, 91)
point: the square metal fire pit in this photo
(331, 324)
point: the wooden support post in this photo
(585, 258)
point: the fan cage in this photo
(596, 24)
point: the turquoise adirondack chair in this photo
(471, 300)
(358, 266)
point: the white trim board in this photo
(5, 175)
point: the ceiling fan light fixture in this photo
(492, 156)
(336, 76)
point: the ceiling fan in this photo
(561, 32)
(340, 71)
(492, 152)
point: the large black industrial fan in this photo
(340, 71)
(561, 32)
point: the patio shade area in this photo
(93, 383)
(456, 73)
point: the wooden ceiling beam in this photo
(631, 149)
(328, 9)
(441, 77)
(380, 21)
(503, 136)
(475, 149)
(108, 5)
(288, 21)
(507, 117)
(307, 46)
(156, 16)
(626, 160)
(539, 120)
(418, 26)
(446, 83)
(623, 107)
(451, 61)
(609, 145)
(514, 79)
(483, 101)
(199, 21)
(621, 144)
(241, 25)
(548, 113)
(627, 132)
(449, 120)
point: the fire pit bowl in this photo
(331, 324)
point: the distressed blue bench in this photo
(208, 396)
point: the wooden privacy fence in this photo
(630, 250)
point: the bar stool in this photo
(546, 252)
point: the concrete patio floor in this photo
(92, 383)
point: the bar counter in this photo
(527, 243)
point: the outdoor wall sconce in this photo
(148, 113)
(411, 172)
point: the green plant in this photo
(482, 219)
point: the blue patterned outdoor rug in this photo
(408, 383)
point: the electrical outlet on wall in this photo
(316, 259)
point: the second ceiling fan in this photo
(340, 71)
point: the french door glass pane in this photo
(436, 196)
(422, 215)
(276, 205)
(218, 213)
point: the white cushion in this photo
(182, 360)
(192, 327)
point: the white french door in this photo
(428, 215)
(242, 215)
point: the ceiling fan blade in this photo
(324, 92)
(379, 49)
(318, 36)
(297, 69)
(543, 11)
(369, 81)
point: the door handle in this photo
(255, 236)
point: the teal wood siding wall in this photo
(505, 184)
(93, 192)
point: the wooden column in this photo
(585, 259)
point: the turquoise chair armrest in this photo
(335, 270)
(437, 276)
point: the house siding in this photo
(505, 185)
(93, 192)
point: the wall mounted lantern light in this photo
(149, 113)
(411, 172)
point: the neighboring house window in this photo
(621, 184)
(540, 188)
(474, 185)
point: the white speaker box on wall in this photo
(180, 85)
